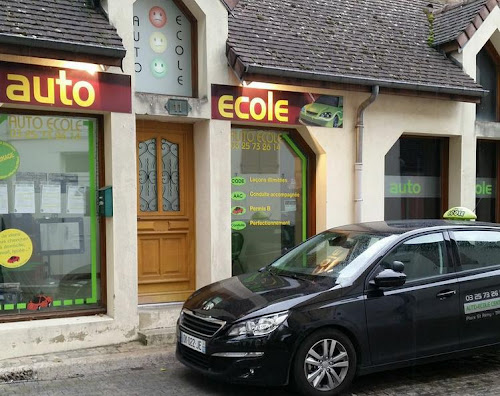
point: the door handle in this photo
(446, 294)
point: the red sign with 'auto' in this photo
(64, 88)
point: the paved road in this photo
(479, 375)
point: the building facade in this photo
(228, 134)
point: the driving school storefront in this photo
(273, 169)
(292, 166)
(56, 223)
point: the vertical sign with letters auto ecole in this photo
(162, 46)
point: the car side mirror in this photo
(389, 278)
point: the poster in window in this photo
(4, 199)
(61, 236)
(24, 198)
(51, 198)
(75, 199)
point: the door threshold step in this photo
(161, 336)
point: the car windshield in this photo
(328, 254)
(328, 100)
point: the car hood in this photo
(255, 294)
(320, 108)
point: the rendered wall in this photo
(385, 121)
(121, 322)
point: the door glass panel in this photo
(268, 200)
(170, 175)
(148, 186)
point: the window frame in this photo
(101, 224)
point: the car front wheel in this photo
(325, 364)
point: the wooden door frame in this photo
(186, 189)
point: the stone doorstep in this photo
(162, 336)
(83, 362)
(158, 316)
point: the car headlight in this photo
(259, 326)
(326, 114)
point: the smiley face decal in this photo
(158, 42)
(158, 68)
(157, 17)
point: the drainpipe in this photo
(358, 165)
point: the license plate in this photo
(193, 342)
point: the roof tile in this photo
(383, 40)
(69, 21)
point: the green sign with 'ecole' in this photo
(9, 160)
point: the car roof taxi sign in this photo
(459, 213)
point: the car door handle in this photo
(445, 294)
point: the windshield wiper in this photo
(284, 274)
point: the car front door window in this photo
(423, 257)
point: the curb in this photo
(93, 361)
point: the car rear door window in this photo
(423, 257)
(478, 249)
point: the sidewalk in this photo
(85, 361)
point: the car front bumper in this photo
(269, 369)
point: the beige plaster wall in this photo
(385, 121)
(465, 146)
(121, 322)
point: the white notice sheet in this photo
(24, 198)
(4, 199)
(76, 199)
(51, 198)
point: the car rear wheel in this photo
(325, 363)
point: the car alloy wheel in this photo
(336, 122)
(325, 363)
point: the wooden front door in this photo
(165, 211)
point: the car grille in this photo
(311, 113)
(195, 358)
(203, 326)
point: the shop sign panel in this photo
(162, 44)
(251, 105)
(64, 88)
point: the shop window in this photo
(415, 182)
(269, 196)
(487, 67)
(486, 180)
(49, 239)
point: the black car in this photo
(350, 301)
